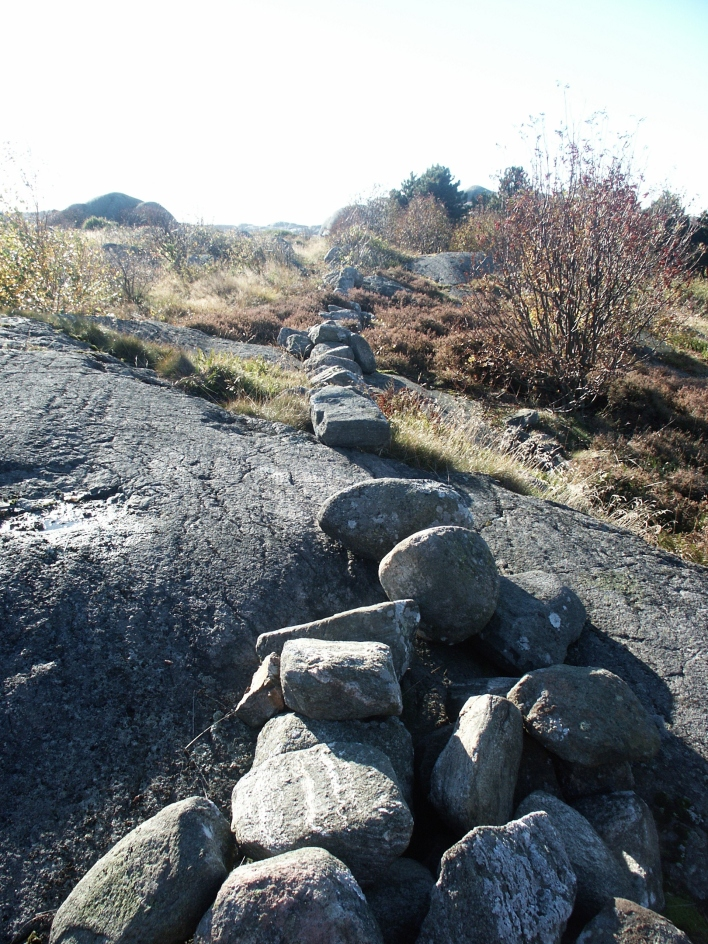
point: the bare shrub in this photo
(581, 270)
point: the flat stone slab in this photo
(393, 624)
(341, 416)
(340, 797)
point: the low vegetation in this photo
(596, 315)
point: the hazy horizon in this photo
(257, 114)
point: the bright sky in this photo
(231, 111)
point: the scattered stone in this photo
(452, 268)
(451, 574)
(578, 781)
(315, 364)
(363, 354)
(459, 692)
(535, 621)
(335, 377)
(380, 285)
(393, 624)
(371, 518)
(523, 419)
(155, 884)
(600, 877)
(400, 900)
(338, 681)
(302, 896)
(585, 715)
(342, 416)
(299, 344)
(341, 797)
(626, 825)
(508, 884)
(345, 279)
(264, 696)
(473, 781)
(329, 331)
(292, 732)
(625, 922)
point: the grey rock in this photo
(264, 696)
(459, 692)
(380, 285)
(451, 574)
(627, 826)
(585, 715)
(363, 354)
(452, 268)
(473, 781)
(344, 279)
(341, 416)
(155, 884)
(328, 331)
(508, 884)
(299, 344)
(578, 781)
(393, 624)
(315, 364)
(600, 877)
(400, 900)
(333, 350)
(371, 518)
(535, 621)
(333, 255)
(341, 797)
(523, 419)
(304, 895)
(335, 377)
(625, 922)
(292, 732)
(338, 681)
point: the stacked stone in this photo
(532, 783)
(337, 361)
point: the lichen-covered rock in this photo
(337, 681)
(393, 624)
(371, 518)
(600, 877)
(473, 781)
(508, 884)
(535, 621)
(341, 797)
(155, 884)
(329, 331)
(625, 922)
(292, 732)
(343, 416)
(298, 344)
(332, 358)
(334, 377)
(400, 900)
(585, 715)
(303, 896)
(451, 574)
(264, 696)
(626, 825)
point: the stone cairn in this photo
(527, 797)
(337, 362)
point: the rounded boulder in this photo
(451, 574)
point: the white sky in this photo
(231, 111)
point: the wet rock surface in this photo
(341, 797)
(307, 895)
(155, 884)
(370, 519)
(585, 715)
(393, 624)
(451, 574)
(508, 884)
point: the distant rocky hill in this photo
(116, 207)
